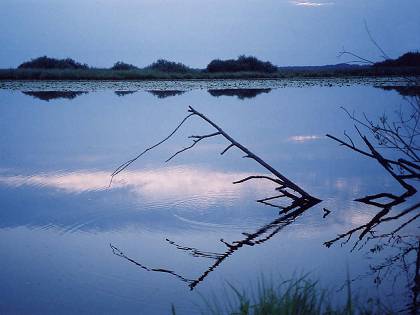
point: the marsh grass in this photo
(299, 296)
(134, 74)
(192, 74)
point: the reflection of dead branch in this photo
(194, 251)
(403, 262)
(415, 305)
(119, 253)
(378, 219)
(258, 237)
(400, 136)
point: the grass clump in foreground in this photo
(294, 297)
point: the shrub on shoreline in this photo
(243, 63)
(163, 65)
(52, 63)
(119, 65)
(410, 59)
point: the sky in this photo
(301, 32)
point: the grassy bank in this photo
(299, 296)
(148, 74)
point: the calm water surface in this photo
(58, 216)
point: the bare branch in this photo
(123, 166)
(197, 140)
(384, 54)
(227, 148)
(258, 177)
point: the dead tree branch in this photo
(126, 164)
(283, 182)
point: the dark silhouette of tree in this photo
(163, 65)
(123, 66)
(52, 63)
(243, 63)
(409, 59)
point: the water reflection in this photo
(393, 228)
(239, 93)
(203, 187)
(124, 93)
(300, 139)
(43, 208)
(52, 95)
(404, 90)
(261, 235)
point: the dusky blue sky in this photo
(101, 32)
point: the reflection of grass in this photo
(150, 74)
(298, 296)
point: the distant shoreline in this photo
(142, 74)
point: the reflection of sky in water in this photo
(58, 216)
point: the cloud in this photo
(311, 3)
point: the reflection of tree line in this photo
(406, 90)
(51, 95)
(239, 93)
(399, 136)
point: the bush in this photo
(410, 59)
(243, 63)
(163, 65)
(123, 66)
(52, 63)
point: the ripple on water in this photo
(190, 192)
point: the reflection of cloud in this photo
(168, 185)
(311, 3)
(359, 218)
(304, 138)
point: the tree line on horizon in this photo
(241, 64)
